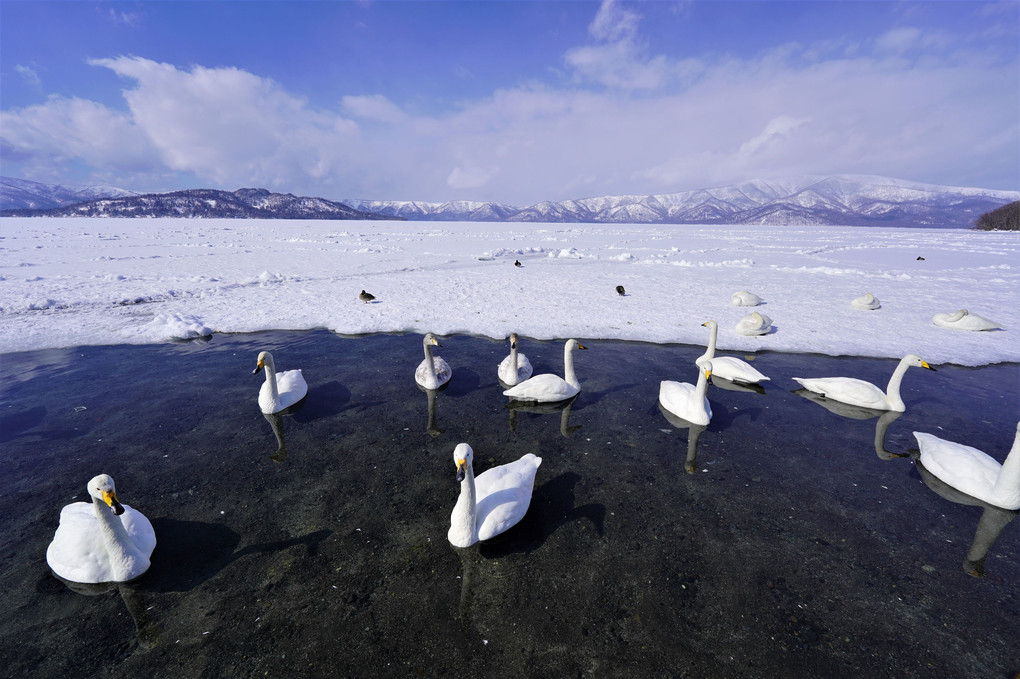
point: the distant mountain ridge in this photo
(851, 200)
(834, 200)
(21, 194)
(208, 204)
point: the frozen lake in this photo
(793, 547)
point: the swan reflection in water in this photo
(692, 436)
(993, 519)
(149, 634)
(431, 427)
(852, 412)
(275, 421)
(561, 407)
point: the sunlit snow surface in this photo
(68, 282)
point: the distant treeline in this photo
(1005, 218)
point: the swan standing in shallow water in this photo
(433, 372)
(727, 367)
(754, 323)
(280, 390)
(866, 302)
(687, 400)
(865, 394)
(964, 320)
(745, 298)
(515, 367)
(493, 502)
(101, 541)
(973, 472)
(548, 388)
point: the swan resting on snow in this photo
(280, 390)
(973, 472)
(687, 400)
(866, 302)
(745, 298)
(101, 541)
(548, 388)
(865, 394)
(514, 368)
(754, 323)
(727, 367)
(964, 320)
(494, 501)
(433, 372)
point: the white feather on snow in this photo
(68, 282)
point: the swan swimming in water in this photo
(687, 400)
(745, 298)
(101, 541)
(548, 388)
(754, 323)
(493, 502)
(866, 302)
(973, 472)
(865, 394)
(433, 372)
(514, 368)
(964, 320)
(280, 390)
(727, 367)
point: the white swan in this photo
(280, 390)
(866, 302)
(754, 323)
(745, 298)
(686, 400)
(727, 367)
(964, 320)
(973, 472)
(493, 502)
(515, 367)
(433, 372)
(548, 388)
(102, 540)
(865, 394)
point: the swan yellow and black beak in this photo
(924, 364)
(581, 346)
(110, 498)
(461, 469)
(258, 367)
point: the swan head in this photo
(265, 358)
(574, 344)
(712, 325)
(463, 456)
(916, 361)
(513, 340)
(431, 339)
(102, 489)
(706, 367)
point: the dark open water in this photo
(794, 549)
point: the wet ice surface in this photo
(794, 548)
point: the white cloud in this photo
(29, 75)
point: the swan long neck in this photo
(1006, 490)
(430, 361)
(713, 337)
(463, 520)
(115, 539)
(568, 368)
(701, 387)
(892, 390)
(274, 391)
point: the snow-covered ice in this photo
(68, 282)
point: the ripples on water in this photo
(781, 540)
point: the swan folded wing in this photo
(846, 389)
(735, 370)
(77, 552)
(967, 469)
(680, 398)
(292, 387)
(504, 495)
(423, 374)
(546, 387)
(139, 529)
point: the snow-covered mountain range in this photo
(21, 194)
(831, 200)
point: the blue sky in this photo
(515, 102)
